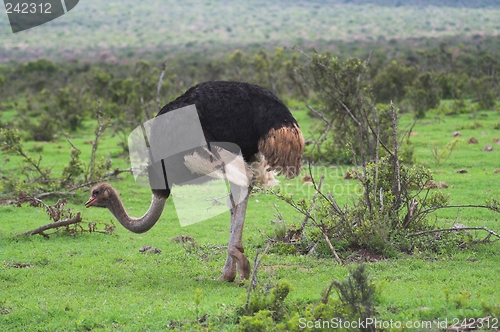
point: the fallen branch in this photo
(61, 223)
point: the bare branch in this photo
(335, 206)
(432, 209)
(331, 246)
(397, 168)
(98, 132)
(66, 222)
(69, 141)
(306, 217)
(318, 114)
(455, 230)
(253, 279)
(376, 133)
(117, 171)
(328, 291)
(160, 82)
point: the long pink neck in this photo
(142, 224)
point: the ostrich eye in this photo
(95, 193)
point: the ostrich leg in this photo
(235, 257)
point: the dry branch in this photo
(456, 230)
(98, 132)
(331, 246)
(397, 168)
(306, 216)
(328, 291)
(160, 82)
(61, 223)
(253, 280)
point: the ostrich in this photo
(244, 114)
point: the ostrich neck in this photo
(142, 224)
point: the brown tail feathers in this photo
(283, 148)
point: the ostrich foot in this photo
(235, 259)
(229, 270)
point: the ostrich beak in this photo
(90, 201)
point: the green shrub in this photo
(355, 300)
(381, 218)
(43, 131)
(424, 94)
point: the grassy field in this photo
(131, 29)
(102, 282)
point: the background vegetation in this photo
(123, 30)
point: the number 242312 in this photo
(28, 8)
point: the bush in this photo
(342, 89)
(356, 300)
(424, 94)
(391, 83)
(43, 131)
(392, 205)
(486, 91)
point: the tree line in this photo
(50, 96)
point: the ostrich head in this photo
(102, 195)
(105, 196)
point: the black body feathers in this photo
(247, 115)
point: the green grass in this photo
(102, 282)
(480, 182)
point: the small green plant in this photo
(73, 170)
(268, 311)
(460, 106)
(37, 178)
(271, 298)
(42, 130)
(492, 310)
(259, 322)
(34, 172)
(358, 293)
(442, 155)
(462, 300)
(393, 205)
